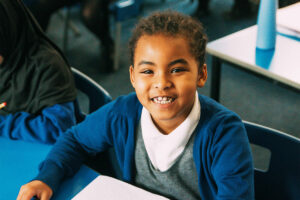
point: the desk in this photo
(281, 65)
(19, 163)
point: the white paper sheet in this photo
(108, 188)
(289, 17)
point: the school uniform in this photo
(220, 148)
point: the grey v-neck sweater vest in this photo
(178, 182)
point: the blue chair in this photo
(282, 179)
(96, 94)
(106, 162)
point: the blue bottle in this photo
(266, 24)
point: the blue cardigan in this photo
(221, 149)
(45, 127)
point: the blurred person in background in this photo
(37, 88)
(95, 16)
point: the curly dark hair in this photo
(172, 23)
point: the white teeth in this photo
(162, 100)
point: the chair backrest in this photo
(104, 162)
(282, 179)
(96, 94)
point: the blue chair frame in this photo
(105, 162)
(96, 94)
(282, 180)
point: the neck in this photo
(166, 128)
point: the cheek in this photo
(141, 89)
(141, 85)
(187, 84)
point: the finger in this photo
(45, 195)
(19, 197)
(21, 193)
(25, 195)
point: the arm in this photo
(68, 153)
(45, 127)
(232, 166)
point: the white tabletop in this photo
(281, 64)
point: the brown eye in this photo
(177, 70)
(147, 71)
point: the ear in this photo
(202, 76)
(132, 78)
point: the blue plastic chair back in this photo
(96, 94)
(282, 179)
(105, 162)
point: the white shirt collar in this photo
(163, 150)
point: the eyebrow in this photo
(180, 61)
(145, 63)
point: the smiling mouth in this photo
(163, 100)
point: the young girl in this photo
(35, 79)
(168, 139)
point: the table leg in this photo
(117, 45)
(215, 79)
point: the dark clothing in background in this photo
(34, 74)
(36, 81)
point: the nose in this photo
(162, 82)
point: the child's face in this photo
(165, 77)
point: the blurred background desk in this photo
(280, 65)
(19, 163)
(239, 49)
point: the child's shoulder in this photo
(217, 121)
(214, 111)
(126, 104)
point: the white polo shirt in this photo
(163, 150)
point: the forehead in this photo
(159, 37)
(162, 45)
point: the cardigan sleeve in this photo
(74, 147)
(45, 127)
(232, 166)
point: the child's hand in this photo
(35, 188)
